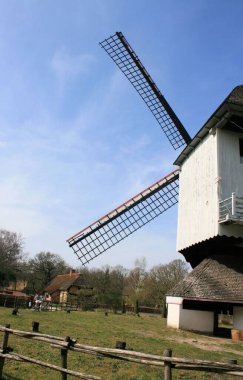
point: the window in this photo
(241, 151)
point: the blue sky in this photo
(75, 138)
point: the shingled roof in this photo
(216, 278)
(236, 96)
(64, 282)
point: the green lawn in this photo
(145, 334)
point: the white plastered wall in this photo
(197, 320)
(173, 311)
(184, 319)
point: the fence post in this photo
(4, 346)
(35, 326)
(168, 367)
(64, 353)
(64, 362)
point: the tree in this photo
(108, 284)
(11, 255)
(134, 284)
(162, 278)
(113, 285)
(43, 268)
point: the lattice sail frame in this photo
(126, 59)
(125, 219)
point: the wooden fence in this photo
(9, 300)
(167, 361)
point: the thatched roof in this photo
(64, 282)
(216, 278)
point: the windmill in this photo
(157, 198)
(210, 170)
(210, 196)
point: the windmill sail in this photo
(125, 219)
(126, 59)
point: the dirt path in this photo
(211, 344)
(207, 343)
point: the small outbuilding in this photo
(13, 298)
(215, 286)
(65, 287)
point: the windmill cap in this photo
(232, 103)
(236, 95)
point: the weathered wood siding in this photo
(211, 173)
(230, 174)
(198, 195)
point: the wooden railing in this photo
(167, 361)
(231, 209)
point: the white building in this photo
(210, 216)
(214, 286)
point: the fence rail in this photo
(17, 302)
(65, 344)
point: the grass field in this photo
(145, 334)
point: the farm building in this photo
(13, 298)
(20, 285)
(215, 286)
(65, 287)
(210, 221)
